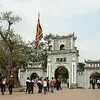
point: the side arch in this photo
(88, 74)
(33, 75)
(93, 72)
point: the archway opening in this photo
(34, 76)
(62, 47)
(95, 76)
(62, 73)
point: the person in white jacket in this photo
(45, 86)
(98, 83)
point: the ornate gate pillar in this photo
(74, 75)
(49, 69)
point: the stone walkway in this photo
(65, 94)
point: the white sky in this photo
(60, 17)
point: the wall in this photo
(81, 79)
(22, 78)
(24, 74)
(88, 73)
(38, 71)
(44, 75)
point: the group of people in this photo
(46, 85)
(4, 83)
(94, 82)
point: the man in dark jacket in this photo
(47, 79)
(32, 85)
(28, 85)
(1, 85)
(10, 84)
(39, 83)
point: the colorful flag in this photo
(39, 34)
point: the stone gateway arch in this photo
(63, 53)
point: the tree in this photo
(14, 53)
(81, 66)
(19, 57)
(8, 35)
(48, 38)
(3, 58)
(42, 46)
(41, 51)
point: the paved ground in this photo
(65, 94)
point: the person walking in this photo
(47, 79)
(4, 83)
(91, 80)
(39, 83)
(45, 86)
(27, 85)
(32, 85)
(1, 85)
(98, 83)
(57, 84)
(93, 83)
(10, 84)
(52, 83)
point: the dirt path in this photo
(65, 94)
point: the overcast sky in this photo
(60, 17)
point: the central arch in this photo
(63, 73)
